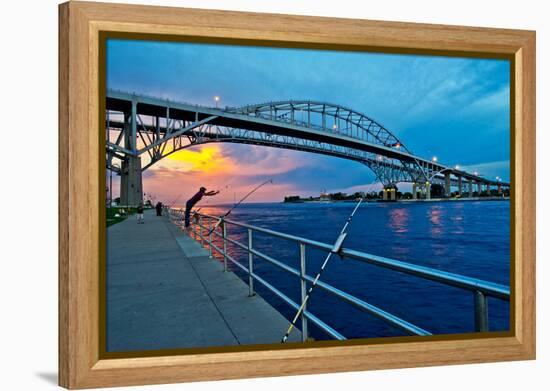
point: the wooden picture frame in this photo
(81, 165)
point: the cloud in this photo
(491, 169)
(233, 169)
(498, 100)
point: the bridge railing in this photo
(205, 228)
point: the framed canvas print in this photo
(247, 195)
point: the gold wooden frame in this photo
(80, 190)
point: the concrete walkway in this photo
(163, 292)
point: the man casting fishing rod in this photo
(196, 198)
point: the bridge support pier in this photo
(131, 188)
(479, 189)
(499, 188)
(470, 189)
(488, 189)
(460, 186)
(428, 190)
(447, 184)
(415, 192)
(389, 193)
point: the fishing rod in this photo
(335, 250)
(176, 200)
(237, 204)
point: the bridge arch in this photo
(154, 128)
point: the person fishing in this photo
(196, 198)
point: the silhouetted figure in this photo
(158, 207)
(193, 200)
(140, 213)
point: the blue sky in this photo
(454, 108)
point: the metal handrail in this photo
(481, 289)
(489, 288)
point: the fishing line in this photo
(335, 250)
(237, 204)
(176, 200)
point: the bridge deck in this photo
(164, 292)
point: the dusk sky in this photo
(454, 108)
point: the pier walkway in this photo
(164, 292)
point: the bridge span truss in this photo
(151, 128)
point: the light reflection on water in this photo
(399, 220)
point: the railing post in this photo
(250, 265)
(224, 235)
(303, 290)
(200, 231)
(481, 312)
(210, 238)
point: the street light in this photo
(217, 99)
(457, 167)
(434, 159)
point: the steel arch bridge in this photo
(154, 128)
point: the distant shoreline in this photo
(306, 201)
(372, 201)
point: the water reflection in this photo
(457, 220)
(435, 214)
(399, 220)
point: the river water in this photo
(471, 238)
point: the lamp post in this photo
(217, 100)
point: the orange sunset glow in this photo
(207, 159)
(220, 167)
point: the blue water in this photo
(468, 238)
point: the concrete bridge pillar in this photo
(414, 191)
(389, 193)
(488, 189)
(131, 188)
(470, 189)
(460, 186)
(499, 188)
(447, 184)
(428, 190)
(479, 189)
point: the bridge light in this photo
(434, 159)
(397, 145)
(457, 167)
(217, 99)
(334, 126)
(475, 173)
